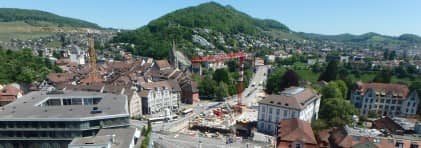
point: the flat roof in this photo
(123, 138)
(27, 107)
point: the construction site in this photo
(234, 117)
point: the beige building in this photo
(385, 99)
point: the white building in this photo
(385, 99)
(294, 102)
(161, 95)
(76, 54)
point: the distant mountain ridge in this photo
(366, 38)
(42, 18)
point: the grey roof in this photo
(293, 98)
(123, 138)
(91, 140)
(26, 108)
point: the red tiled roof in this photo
(10, 90)
(162, 64)
(60, 77)
(296, 130)
(397, 89)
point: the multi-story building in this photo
(385, 99)
(76, 54)
(161, 95)
(53, 119)
(294, 102)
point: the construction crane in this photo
(240, 56)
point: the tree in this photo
(316, 68)
(330, 72)
(331, 91)
(343, 73)
(232, 65)
(290, 78)
(207, 87)
(392, 55)
(337, 111)
(383, 76)
(221, 91)
(221, 75)
(273, 81)
(318, 125)
(342, 87)
(386, 54)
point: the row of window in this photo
(62, 125)
(71, 101)
(278, 115)
(45, 134)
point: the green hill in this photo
(29, 24)
(154, 39)
(41, 18)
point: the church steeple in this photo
(173, 55)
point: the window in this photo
(67, 101)
(393, 101)
(263, 109)
(270, 110)
(388, 101)
(413, 104)
(270, 118)
(297, 145)
(76, 101)
(293, 114)
(88, 101)
(278, 111)
(285, 113)
(414, 145)
(409, 104)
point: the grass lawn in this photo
(308, 75)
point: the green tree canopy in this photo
(384, 76)
(290, 78)
(221, 75)
(330, 72)
(337, 111)
(23, 67)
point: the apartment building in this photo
(385, 99)
(157, 96)
(294, 102)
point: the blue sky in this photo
(391, 17)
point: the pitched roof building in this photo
(385, 99)
(9, 93)
(294, 102)
(295, 133)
